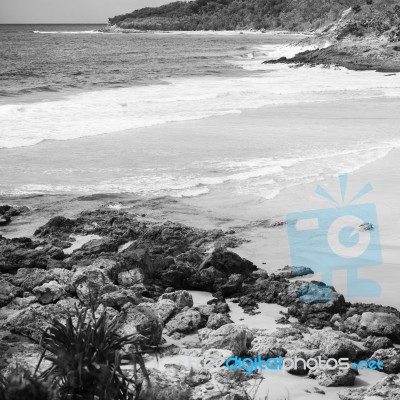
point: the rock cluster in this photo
(146, 286)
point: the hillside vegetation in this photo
(295, 15)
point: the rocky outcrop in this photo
(365, 38)
(25, 253)
(144, 284)
(8, 212)
(388, 388)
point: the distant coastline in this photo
(360, 37)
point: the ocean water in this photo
(160, 114)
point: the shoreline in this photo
(264, 231)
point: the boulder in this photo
(380, 324)
(165, 308)
(181, 298)
(215, 321)
(232, 285)
(333, 345)
(31, 321)
(22, 253)
(228, 263)
(118, 298)
(374, 343)
(185, 322)
(130, 277)
(206, 310)
(90, 283)
(315, 292)
(30, 278)
(390, 358)
(266, 347)
(167, 384)
(197, 378)
(334, 378)
(144, 320)
(230, 337)
(8, 292)
(215, 358)
(388, 389)
(49, 292)
(301, 271)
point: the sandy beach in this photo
(249, 215)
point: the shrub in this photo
(85, 353)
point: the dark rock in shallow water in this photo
(6, 212)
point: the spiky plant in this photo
(21, 385)
(85, 355)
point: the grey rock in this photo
(267, 347)
(215, 321)
(131, 277)
(380, 324)
(390, 358)
(388, 388)
(8, 292)
(230, 337)
(142, 319)
(181, 298)
(165, 308)
(334, 378)
(185, 322)
(49, 292)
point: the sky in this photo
(68, 11)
